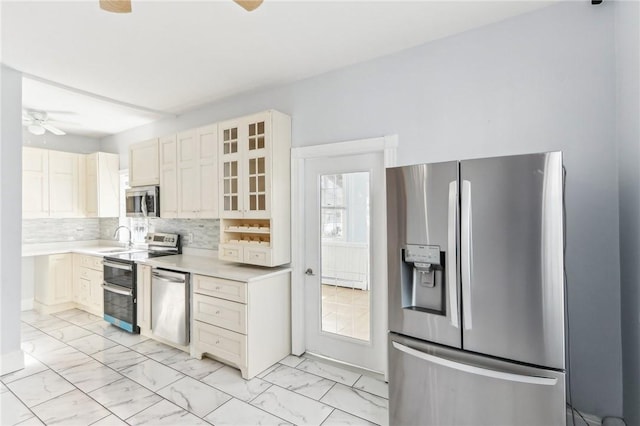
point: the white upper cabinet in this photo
(35, 182)
(197, 173)
(65, 199)
(66, 184)
(102, 185)
(143, 163)
(247, 148)
(255, 171)
(168, 177)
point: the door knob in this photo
(309, 271)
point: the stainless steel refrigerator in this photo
(476, 292)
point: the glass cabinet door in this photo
(257, 168)
(230, 155)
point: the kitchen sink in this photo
(112, 251)
(116, 250)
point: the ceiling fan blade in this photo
(116, 6)
(248, 5)
(52, 129)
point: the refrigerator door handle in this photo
(466, 253)
(472, 369)
(452, 277)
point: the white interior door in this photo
(345, 259)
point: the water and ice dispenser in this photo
(423, 278)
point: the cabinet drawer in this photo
(92, 262)
(220, 312)
(223, 343)
(90, 274)
(95, 263)
(230, 253)
(235, 291)
(257, 256)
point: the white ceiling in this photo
(172, 56)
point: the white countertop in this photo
(214, 267)
(92, 247)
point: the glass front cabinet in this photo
(254, 153)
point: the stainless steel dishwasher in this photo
(170, 305)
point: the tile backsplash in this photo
(51, 230)
(205, 232)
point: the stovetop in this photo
(137, 256)
(159, 244)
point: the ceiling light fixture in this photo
(36, 130)
(37, 122)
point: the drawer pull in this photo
(217, 342)
(217, 312)
(217, 287)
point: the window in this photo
(333, 207)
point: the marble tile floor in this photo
(82, 371)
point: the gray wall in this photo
(68, 143)
(10, 215)
(627, 21)
(540, 82)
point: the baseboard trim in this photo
(590, 419)
(12, 361)
(26, 304)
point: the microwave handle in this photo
(143, 204)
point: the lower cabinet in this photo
(144, 298)
(53, 277)
(246, 324)
(87, 283)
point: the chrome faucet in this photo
(115, 234)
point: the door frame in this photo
(387, 145)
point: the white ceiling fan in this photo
(124, 6)
(37, 123)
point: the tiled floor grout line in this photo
(18, 398)
(328, 390)
(260, 408)
(75, 387)
(117, 371)
(199, 380)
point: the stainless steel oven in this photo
(143, 201)
(120, 294)
(120, 280)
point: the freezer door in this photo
(422, 230)
(511, 256)
(434, 385)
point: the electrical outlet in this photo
(190, 237)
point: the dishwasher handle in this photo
(170, 278)
(167, 279)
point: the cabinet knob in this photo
(217, 312)
(217, 342)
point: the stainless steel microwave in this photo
(143, 201)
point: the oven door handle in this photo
(116, 290)
(117, 265)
